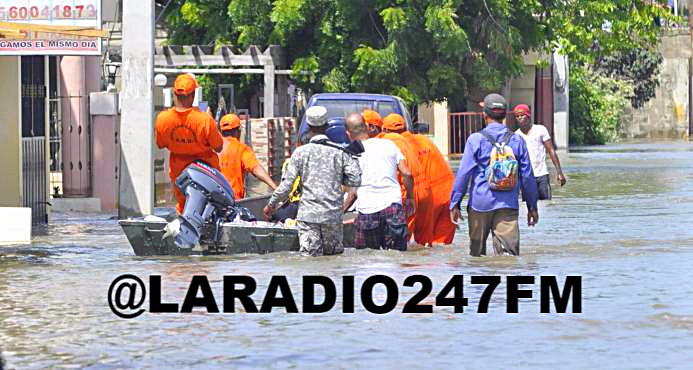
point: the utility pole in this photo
(136, 188)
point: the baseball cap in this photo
(229, 122)
(185, 84)
(493, 102)
(372, 117)
(521, 108)
(394, 122)
(316, 116)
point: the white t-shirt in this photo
(535, 139)
(379, 185)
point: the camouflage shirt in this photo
(323, 171)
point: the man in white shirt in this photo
(381, 223)
(538, 143)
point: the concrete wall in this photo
(79, 76)
(105, 148)
(436, 115)
(10, 133)
(561, 100)
(666, 115)
(522, 88)
(16, 225)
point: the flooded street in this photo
(623, 222)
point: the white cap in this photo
(316, 116)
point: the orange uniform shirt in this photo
(235, 160)
(189, 135)
(422, 189)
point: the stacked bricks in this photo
(281, 138)
(273, 140)
(259, 139)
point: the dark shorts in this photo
(386, 229)
(543, 187)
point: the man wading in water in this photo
(538, 144)
(323, 170)
(494, 210)
(381, 222)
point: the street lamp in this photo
(111, 70)
(160, 80)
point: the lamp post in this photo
(111, 72)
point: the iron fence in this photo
(34, 177)
(460, 126)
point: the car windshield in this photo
(342, 108)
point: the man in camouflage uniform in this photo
(323, 170)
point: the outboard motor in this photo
(209, 199)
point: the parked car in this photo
(340, 105)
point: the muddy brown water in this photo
(623, 222)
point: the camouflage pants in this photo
(320, 239)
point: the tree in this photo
(420, 50)
(638, 67)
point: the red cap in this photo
(394, 122)
(229, 122)
(522, 108)
(185, 84)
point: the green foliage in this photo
(425, 50)
(198, 22)
(589, 29)
(251, 21)
(208, 86)
(597, 104)
(638, 67)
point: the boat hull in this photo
(146, 237)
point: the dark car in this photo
(340, 105)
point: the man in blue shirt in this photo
(489, 210)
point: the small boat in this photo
(146, 236)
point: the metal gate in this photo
(34, 166)
(34, 177)
(464, 124)
(543, 96)
(460, 126)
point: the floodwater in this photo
(623, 223)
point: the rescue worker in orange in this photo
(373, 121)
(438, 227)
(236, 159)
(416, 223)
(187, 133)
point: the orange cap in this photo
(372, 118)
(185, 84)
(229, 122)
(394, 122)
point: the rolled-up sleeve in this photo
(464, 172)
